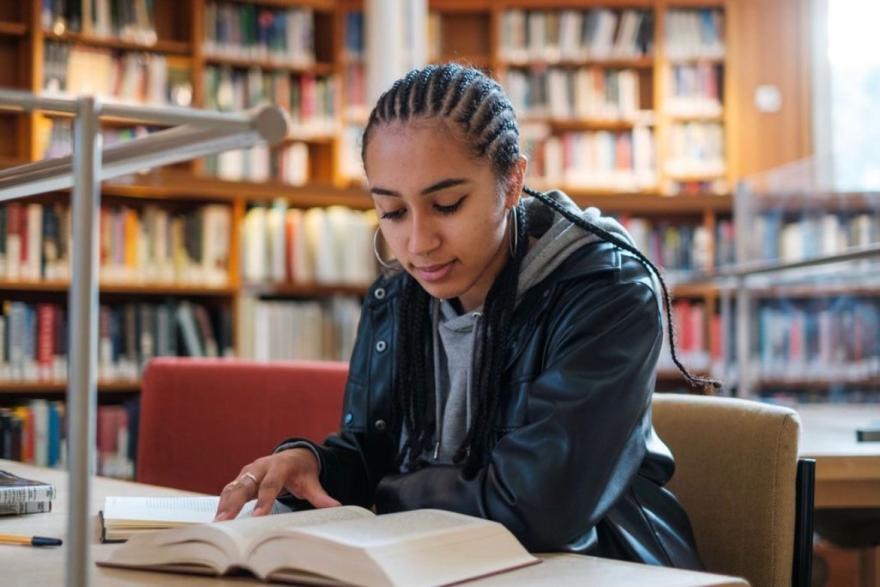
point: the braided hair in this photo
(478, 110)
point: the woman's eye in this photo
(451, 208)
(393, 214)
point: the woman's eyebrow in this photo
(440, 185)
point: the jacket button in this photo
(381, 346)
(546, 292)
(379, 293)
(380, 425)
(349, 417)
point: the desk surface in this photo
(847, 471)
(28, 566)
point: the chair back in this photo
(201, 420)
(736, 471)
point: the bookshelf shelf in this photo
(161, 46)
(815, 291)
(13, 29)
(305, 290)
(850, 202)
(651, 203)
(691, 59)
(60, 387)
(621, 63)
(245, 63)
(696, 117)
(325, 5)
(577, 4)
(187, 187)
(122, 288)
(823, 384)
(479, 61)
(586, 124)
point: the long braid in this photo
(705, 382)
(478, 110)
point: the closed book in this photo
(29, 507)
(15, 489)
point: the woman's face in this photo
(441, 211)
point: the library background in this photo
(718, 131)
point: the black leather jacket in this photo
(577, 466)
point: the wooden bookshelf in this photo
(59, 388)
(470, 34)
(13, 29)
(160, 46)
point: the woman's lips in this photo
(434, 272)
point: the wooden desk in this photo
(847, 471)
(26, 566)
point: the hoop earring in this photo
(379, 258)
(514, 232)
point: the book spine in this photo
(29, 507)
(33, 493)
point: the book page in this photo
(414, 548)
(170, 511)
(393, 528)
(217, 544)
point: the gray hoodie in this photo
(455, 335)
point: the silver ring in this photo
(250, 476)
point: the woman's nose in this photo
(423, 237)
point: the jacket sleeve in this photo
(352, 461)
(552, 479)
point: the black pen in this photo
(29, 540)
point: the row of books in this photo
(810, 233)
(311, 101)
(56, 136)
(35, 433)
(836, 339)
(117, 76)
(833, 394)
(696, 148)
(132, 333)
(289, 165)
(351, 164)
(129, 20)
(691, 326)
(553, 35)
(250, 31)
(695, 33)
(354, 37)
(677, 248)
(320, 245)
(148, 244)
(34, 337)
(583, 93)
(307, 330)
(725, 244)
(355, 95)
(694, 90)
(621, 160)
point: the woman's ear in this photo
(516, 181)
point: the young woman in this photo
(505, 370)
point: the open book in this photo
(123, 517)
(333, 546)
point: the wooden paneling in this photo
(769, 45)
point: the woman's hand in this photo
(295, 469)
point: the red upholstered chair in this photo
(201, 420)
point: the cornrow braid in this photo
(477, 109)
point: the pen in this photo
(29, 540)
